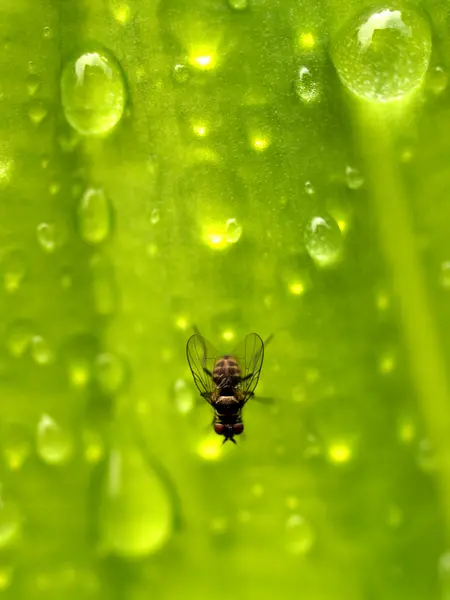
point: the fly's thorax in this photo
(227, 403)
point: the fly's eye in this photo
(238, 428)
(219, 428)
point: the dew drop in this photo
(238, 4)
(233, 231)
(184, 398)
(154, 216)
(309, 188)
(33, 84)
(18, 338)
(46, 236)
(426, 458)
(94, 446)
(53, 443)
(306, 86)
(110, 372)
(41, 351)
(300, 536)
(384, 54)
(136, 512)
(180, 73)
(437, 80)
(94, 216)
(323, 241)
(10, 523)
(37, 112)
(14, 270)
(353, 178)
(93, 93)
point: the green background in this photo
(113, 484)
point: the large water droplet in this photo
(306, 86)
(300, 536)
(323, 241)
(136, 509)
(94, 216)
(93, 93)
(385, 54)
(53, 443)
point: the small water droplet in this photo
(41, 351)
(93, 93)
(53, 443)
(180, 73)
(94, 446)
(111, 372)
(353, 178)
(437, 80)
(48, 32)
(184, 398)
(37, 111)
(136, 515)
(323, 241)
(309, 188)
(306, 86)
(46, 235)
(18, 337)
(384, 54)
(10, 523)
(14, 270)
(16, 445)
(154, 216)
(300, 536)
(233, 231)
(94, 216)
(238, 4)
(33, 83)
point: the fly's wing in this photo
(201, 357)
(250, 356)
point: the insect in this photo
(228, 381)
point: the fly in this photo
(226, 382)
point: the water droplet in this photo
(111, 372)
(383, 55)
(220, 236)
(323, 241)
(426, 458)
(121, 11)
(16, 445)
(10, 524)
(406, 429)
(238, 4)
(180, 73)
(437, 80)
(14, 270)
(33, 84)
(6, 168)
(94, 216)
(94, 446)
(18, 338)
(233, 231)
(306, 86)
(136, 518)
(37, 112)
(184, 398)
(445, 274)
(340, 451)
(53, 443)
(210, 448)
(309, 188)
(353, 178)
(300, 536)
(79, 358)
(41, 351)
(46, 235)
(154, 216)
(93, 93)
(48, 32)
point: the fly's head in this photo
(228, 430)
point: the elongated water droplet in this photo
(323, 241)
(9, 523)
(94, 216)
(41, 351)
(46, 235)
(300, 536)
(306, 86)
(53, 443)
(136, 516)
(93, 93)
(384, 54)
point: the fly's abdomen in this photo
(226, 372)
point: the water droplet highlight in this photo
(184, 398)
(41, 351)
(93, 93)
(46, 236)
(136, 516)
(306, 86)
(53, 444)
(383, 55)
(94, 216)
(37, 112)
(238, 4)
(323, 241)
(353, 178)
